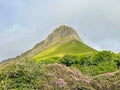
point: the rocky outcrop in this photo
(62, 33)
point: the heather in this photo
(26, 75)
(107, 81)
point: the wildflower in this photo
(86, 79)
(61, 82)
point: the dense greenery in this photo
(22, 75)
(93, 63)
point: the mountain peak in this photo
(65, 30)
(62, 28)
(63, 33)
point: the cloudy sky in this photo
(23, 23)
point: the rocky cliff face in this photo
(62, 34)
(58, 36)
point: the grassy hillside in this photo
(71, 47)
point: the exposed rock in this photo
(63, 33)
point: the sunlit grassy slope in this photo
(71, 47)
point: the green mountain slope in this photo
(71, 47)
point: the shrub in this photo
(107, 81)
(28, 75)
(117, 60)
(102, 56)
(68, 60)
(93, 63)
(84, 59)
(21, 75)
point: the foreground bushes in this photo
(26, 75)
(22, 76)
(107, 81)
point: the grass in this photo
(71, 47)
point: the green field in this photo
(71, 47)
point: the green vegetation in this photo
(29, 75)
(93, 63)
(26, 75)
(72, 47)
(21, 76)
(87, 71)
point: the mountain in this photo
(59, 36)
(63, 40)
